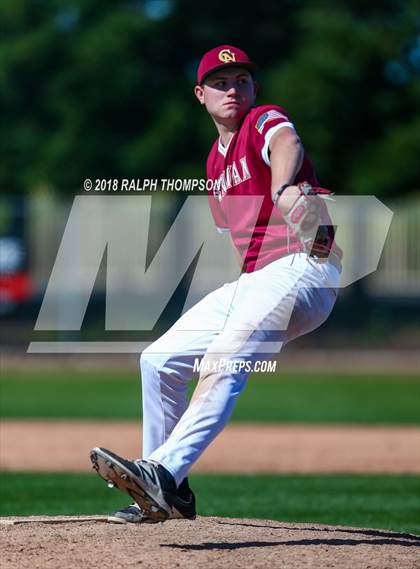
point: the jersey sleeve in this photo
(266, 122)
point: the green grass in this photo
(387, 502)
(293, 398)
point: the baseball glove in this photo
(305, 216)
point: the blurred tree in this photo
(95, 88)
(353, 86)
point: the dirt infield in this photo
(65, 446)
(215, 543)
(208, 542)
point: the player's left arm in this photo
(300, 204)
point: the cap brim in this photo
(251, 67)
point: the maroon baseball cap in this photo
(223, 56)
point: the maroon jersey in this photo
(258, 229)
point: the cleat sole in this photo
(126, 481)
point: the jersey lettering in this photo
(231, 176)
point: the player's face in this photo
(228, 94)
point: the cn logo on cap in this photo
(226, 56)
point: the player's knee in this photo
(223, 385)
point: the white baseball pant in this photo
(248, 319)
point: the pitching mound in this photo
(79, 542)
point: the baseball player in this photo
(265, 194)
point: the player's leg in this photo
(166, 367)
(270, 307)
(168, 364)
(295, 295)
(260, 316)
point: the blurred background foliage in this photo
(95, 88)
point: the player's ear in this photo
(199, 93)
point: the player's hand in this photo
(301, 206)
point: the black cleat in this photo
(150, 485)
